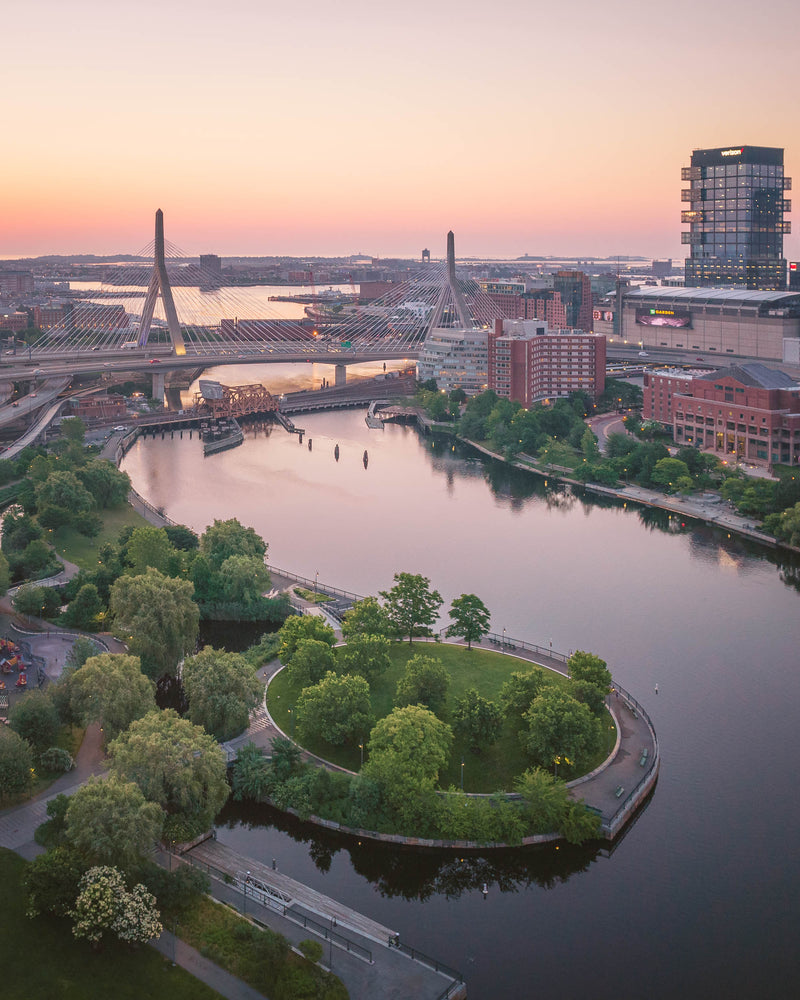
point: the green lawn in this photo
(483, 669)
(77, 548)
(40, 959)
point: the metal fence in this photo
(432, 963)
(312, 584)
(272, 901)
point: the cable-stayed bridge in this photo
(173, 313)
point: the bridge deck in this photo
(228, 862)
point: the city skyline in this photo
(547, 132)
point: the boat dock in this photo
(367, 956)
(273, 889)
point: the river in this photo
(699, 896)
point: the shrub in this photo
(311, 949)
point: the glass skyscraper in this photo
(736, 217)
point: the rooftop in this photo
(753, 373)
(721, 296)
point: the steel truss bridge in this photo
(171, 313)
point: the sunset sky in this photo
(326, 129)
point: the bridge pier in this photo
(158, 386)
(340, 377)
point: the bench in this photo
(619, 792)
(643, 758)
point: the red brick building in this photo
(748, 410)
(530, 362)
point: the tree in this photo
(471, 618)
(407, 749)
(367, 655)
(285, 757)
(559, 726)
(157, 617)
(545, 799)
(35, 719)
(73, 429)
(668, 471)
(244, 582)
(61, 498)
(176, 764)
(104, 904)
(150, 548)
(16, 763)
(111, 688)
(311, 661)
(51, 881)
(84, 610)
(411, 605)
(252, 774)
(299, 627)
(181, 537)
(223, 539)
(477, 721)
(425, 682)
(588, 667)
(106, 483)
(110, 822)
(222, 689)
(520, 689)
(338, 709)
(36, 602)
(367, 617)
(590, 695)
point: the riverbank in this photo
(709, 511)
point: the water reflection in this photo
(416, 874)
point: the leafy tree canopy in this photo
(228, 538)
(109, 822)
(222, 689)
(407, 749)
(311, 661)
(368, 617)
(470, 617)
(588, 667)
(411, 605)
(35, 719)
(299, 627)
(364, 654)
(337, 709)
(111, 688)
(477, 721)
(176, 764)
(425, 682)
(157, 617)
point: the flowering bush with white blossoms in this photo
(104, 904)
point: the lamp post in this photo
(316, 578)
(361, 748)
(246, 880)
(504, 640)
(462, 774)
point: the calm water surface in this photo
(699, 897)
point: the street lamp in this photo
(316, 577)
(504, 640)
(462, 774)
(246, 880)
(361, 748)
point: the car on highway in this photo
(155, 361)
(642, 354)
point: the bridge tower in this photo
(451, 295)
(159, 285)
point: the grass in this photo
(41, 959)
(80, 549)
(309, 595)
(255, 955)
(491, 771)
